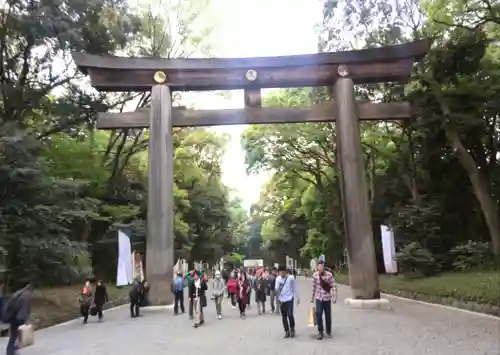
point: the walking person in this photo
(197, 295)
(273, 292)
(324, 292)
(100, 299)
(288, 293)
(178, 291)
(260, 287)
(251, 279)
(135, 296)
(190, 279)
(16, 313)
(86, 299)
(242, 293)
(232, 287)
(218, 287)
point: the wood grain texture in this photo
(254, 115)
(414, 50)
(252, 97)
(363, 276)
(392, 63)
(229, 79)
(160, 219)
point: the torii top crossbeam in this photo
(391, 63)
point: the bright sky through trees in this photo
(251, 29)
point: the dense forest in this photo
(435, 179)
(66, 188)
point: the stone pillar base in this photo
(153, 308)
(381, 303)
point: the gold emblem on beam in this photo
(251, 75)
(160, 77)
(343, 70)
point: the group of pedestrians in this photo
(92, 300)
(278, 284)
(274, 287)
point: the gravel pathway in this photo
(410, 329)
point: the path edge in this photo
(478, 314)
(438, 305)
(71, 321)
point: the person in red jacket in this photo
(242, 293)
(232, 287)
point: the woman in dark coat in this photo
(242, 288)
(100, 298)
(197, 292)
(261, 289)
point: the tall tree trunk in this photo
(87, 229)
(480, 186)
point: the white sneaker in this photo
(234, 307)
(219, 316)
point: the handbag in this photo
(312, 317)
(93, 310)
(26, 336)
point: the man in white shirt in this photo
(286, 287)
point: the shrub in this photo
(417, 261)
(473, 255)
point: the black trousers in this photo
(233, 299)
(134, 309)
(84, 310)
(99, 308)
(179, 301)
(287, 315)
(242, 306)
(191, 305)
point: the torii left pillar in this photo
(160, 219)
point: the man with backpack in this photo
(324, 292)
(17, 312)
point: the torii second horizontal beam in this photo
(253, 115)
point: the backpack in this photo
(11, 308)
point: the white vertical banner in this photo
(389, 250)
(184, 266)
(177, 267)
(124, 268)
(313, 265)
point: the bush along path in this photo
(472, 291)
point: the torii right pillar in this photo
(363, 275)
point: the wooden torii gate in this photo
(342, 70)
